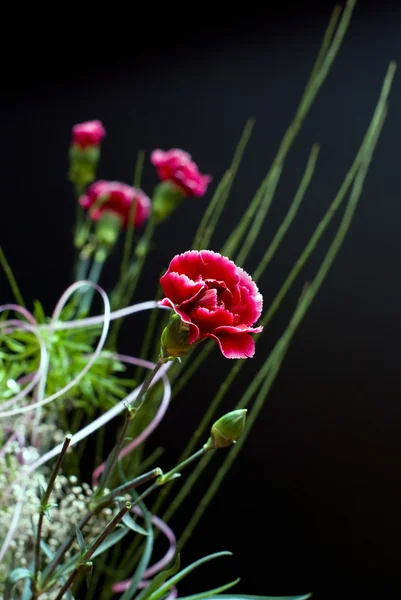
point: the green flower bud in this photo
(166, 199)
(83, 164)
(227, 429)
(108, 228)
(174, 338)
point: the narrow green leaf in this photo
(179, 576)
(13, 578)
(246, 597)
(80, 538)
(212, 593)
(38, 312)
(131, 524)
(160, 578)
(111, 540)
(13, 345)
(145, 557)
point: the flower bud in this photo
(108, 229)
(174, 338)
(227, 429)
(83, 164)
(166, 199)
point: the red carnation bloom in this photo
(176, 166)
(215, 298)
(116, 197)
(87, 134)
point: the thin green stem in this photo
(128, 487)
(307, 297)
(129, 416)
(44, 507)
(327, 40)
(11, 279)
(261, 213)
(202, 505)
(131, 279)
(129, 235)
(292, 211)
(141, 254)
(250, 224)
(94, 276)
(65, 546)
(149, 335)
(182, 465)
(94, 546)
(217, 203)
(246, 398)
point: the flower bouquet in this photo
(84, 505)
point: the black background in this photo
(313, 502)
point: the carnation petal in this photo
(205, 264)
(209, 320)
(234, 343)
(179, 287)
(249, 302)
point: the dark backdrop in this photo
(320, 472)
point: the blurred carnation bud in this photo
(180, 177)
(227, 429)
(85, 152)
(174, 338)
(108, 228)
(166, 199)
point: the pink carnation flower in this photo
(176, 166)
(215, 298)
(87, 134)
(116, 197)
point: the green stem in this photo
(306, 299)
(217, 203)
(129, 235)
(292, 211)
(149, 335)
(185, 463)
(65, 546)
(127, 487)
(130, 281)
(88, 554)
(143, 249)
(261, 213)
(129, 416)
(246, 398)
(44, 507)
(94, 276)
(11, 279)
(249, 224)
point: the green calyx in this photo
(174, 338)
(227, 429)
(166, 199)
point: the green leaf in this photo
(212, 593)
(111, 540)
(13, 578)
(179, 576)
(246, 597)
(13, 345)
(38, 312)
(131, 524)
(145, 557)
(160, 578)
(46, 550)
(80, 539)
